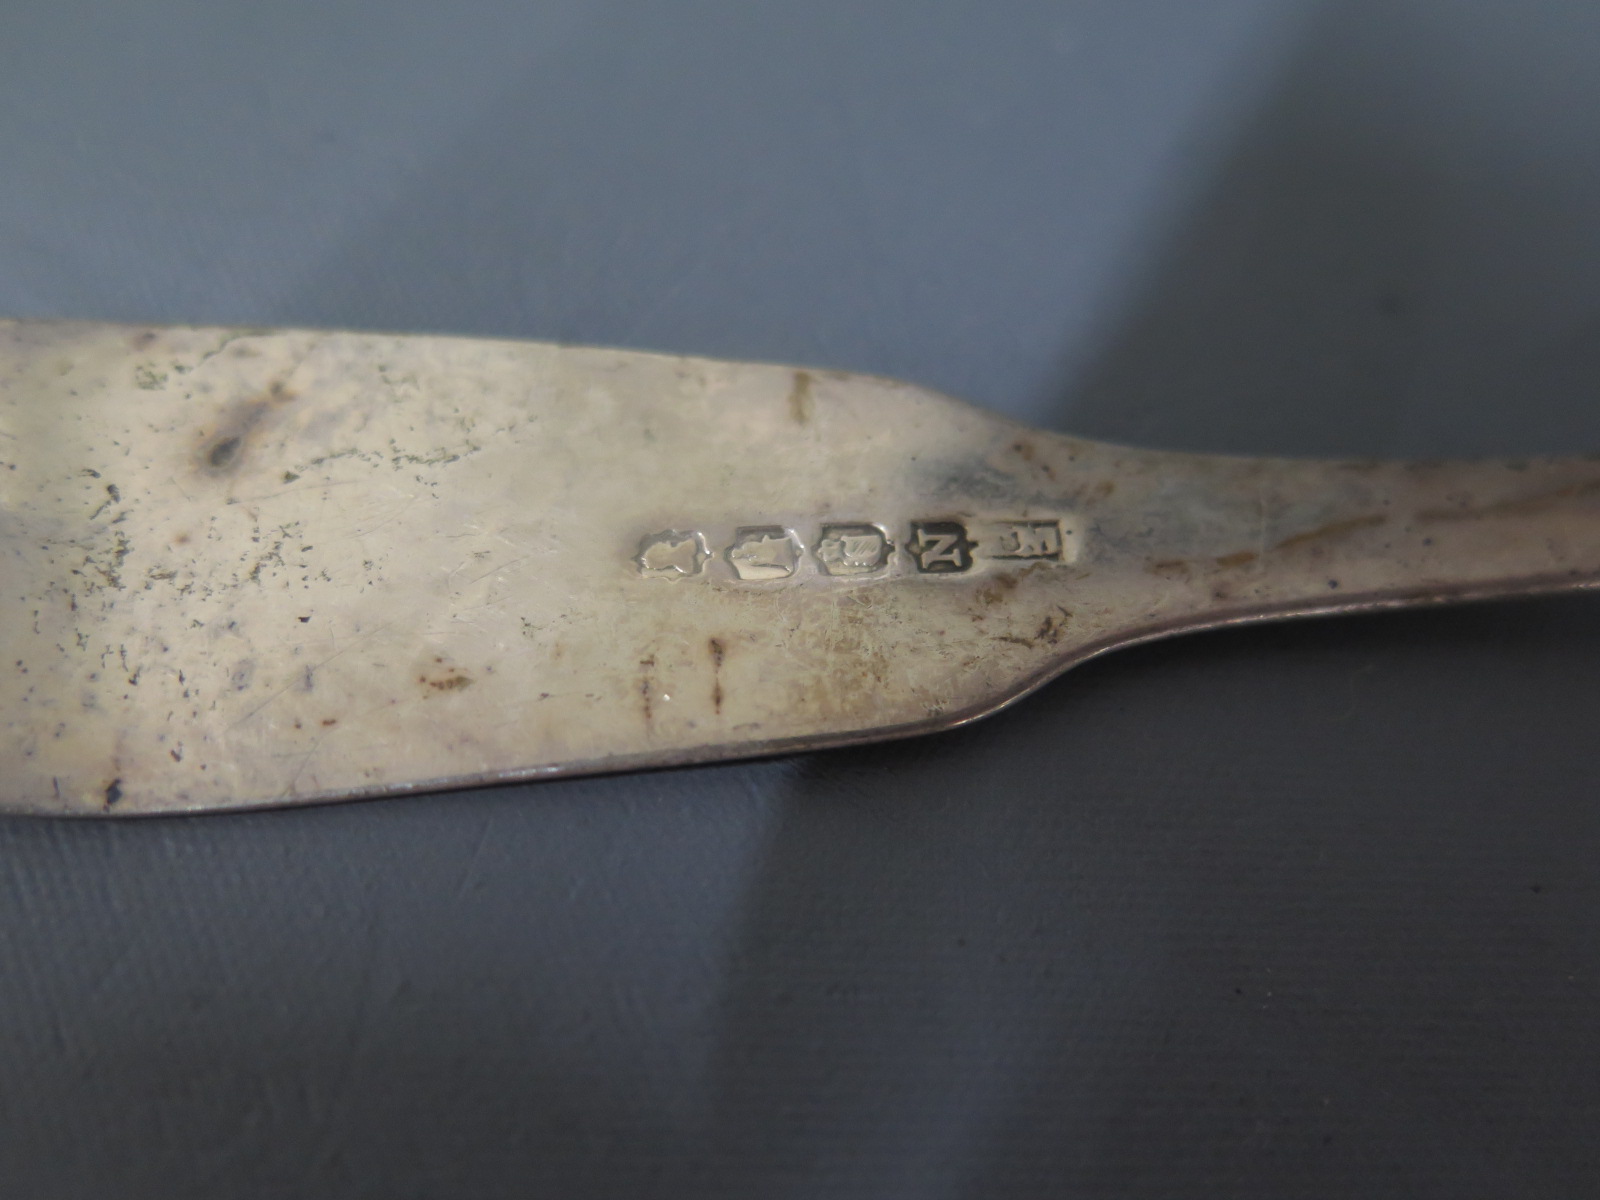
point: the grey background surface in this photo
(1310, 910)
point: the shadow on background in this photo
(1270, 911)
(1397, 258)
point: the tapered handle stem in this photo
(1199, 541)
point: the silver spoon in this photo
(246, 568)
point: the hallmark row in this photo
(768, 552)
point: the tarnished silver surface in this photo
(246, 568)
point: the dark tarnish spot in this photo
(1335, 529)
(443, 677)
(113, 498)
(800, 398)
(1002, 585)
(1029, 453)
(718, 653)
(113, 793)
(647, 687)
(223, 449)
(1050, 631)
(1238, 559)
(1053, 626)
(1524, 506)
(112, 572)
(222, 452)
(143, 339)
(998, 588)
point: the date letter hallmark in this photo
(940, 547)
(945, 548)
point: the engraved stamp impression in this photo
(947, 547)
(1028, 539)
(672, 555)
(764, 552)
(853, 549)
(940, 547)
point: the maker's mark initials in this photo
(1028, 539)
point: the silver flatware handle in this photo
(246, 568)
